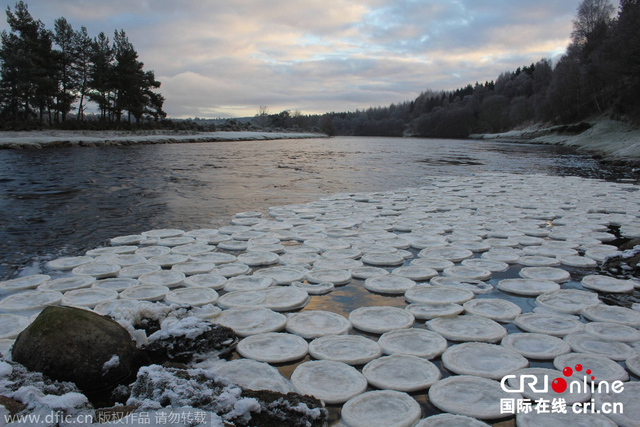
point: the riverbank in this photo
(56, 138)
(612, 140)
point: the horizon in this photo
(226, 59)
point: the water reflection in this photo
(64, 201)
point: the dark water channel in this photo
(63, 201)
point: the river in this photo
(64, 201)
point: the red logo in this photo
(559, 385)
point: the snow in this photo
(111, 363)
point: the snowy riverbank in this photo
(613, 140)
(55, 138)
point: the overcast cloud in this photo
(225, 58)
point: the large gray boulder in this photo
(71, 344)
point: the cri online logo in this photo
(559, 385)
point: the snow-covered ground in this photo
(612, 139)
(39, 139)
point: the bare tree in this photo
(594, 16)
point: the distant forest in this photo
(43, 73)
(599, 74)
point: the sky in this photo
(226, 58)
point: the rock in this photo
(71, 344)
(625, 261)
(187, 339)
(159, 387)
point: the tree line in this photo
(43, 73)
(599, 74)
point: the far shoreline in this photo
(56, 138)
(612, 141)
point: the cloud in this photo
(225, 58)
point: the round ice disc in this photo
(123, 260)
(379, 320)
(570, 301)
(299, 258)
(337, 277)
(431, 311)
(486, 264)
(12, 324)
(163, 233)
(247, 283)
(452, 254)
(64, 284)
(538, 261)
(128, 249)
(475, 286)
(195, 297)
(633, 364)
(468, 328)
(273, 347)
(607, 284)
(211, 280)
(467, 273)
(586, 343)
(570, 396)
(483, 360)
(232, 269)
(607, 331)
(132, 239)
(383, 260)
(315, 288)
(367, 272)
(570, 418)
(258, 259)
(30, 300)
(389, 284)
(317, 323)
(492, 308)
(470, 395)
(553, 274)
(137, 270)
(612, 313)
(450, 420)
(116, 284)
(152, 251)
(145, 293)
(510, 256)
(196, 248)
(282, 275)
(88, 297)
(23, 283)
(413, 341)
(281, 298)
(602, 368)
(97, 270)
(527, 287)
(401, 372)
(381, 408)
(328, 380)
(349, 349)
(338, 264)
(600, 253)
(437, 264)
(168, 278)
(549, 324)
(68, 263)
(191, 268)
(216, 258)
(252, 375)
(578, 261)
(437, 295)
(169, 260)
(536, 346)
(415, 272)
(343, 253)
(175, 241)
(252, 320)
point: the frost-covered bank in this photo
(614, 140)
(482, 275)
(42, 139)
